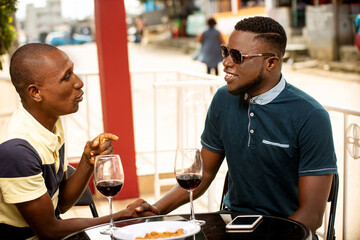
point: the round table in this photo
(269, 228)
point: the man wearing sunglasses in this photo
(276, 139)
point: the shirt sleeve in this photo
(317, 152)
(210, 138)
(21, 177)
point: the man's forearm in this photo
(72, 188)
(311, 220)
(173, 199)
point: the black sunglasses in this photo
(238, 57)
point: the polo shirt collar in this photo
(270, 95)
(51, 139)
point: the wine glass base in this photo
(108, 231)
(197, 222)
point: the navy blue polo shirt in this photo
(283, 134)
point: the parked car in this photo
(64, 38)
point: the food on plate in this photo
(154, 235)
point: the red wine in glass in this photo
(109, 188)
(189, 181)
(189, 174)
(109, 180)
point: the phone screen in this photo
(244, 220)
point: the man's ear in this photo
(272, 63)
(34, 92)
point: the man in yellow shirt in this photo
(34, 188)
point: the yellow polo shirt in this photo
(31, 164)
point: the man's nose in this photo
(228, 61)
(79, 83)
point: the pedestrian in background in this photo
(140, 26)
(210, 53)
(357, 32)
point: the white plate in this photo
(140, 229)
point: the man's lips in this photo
(80, 97)
(229, 76)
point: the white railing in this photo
(174, 104)
(192, 99)
(346, 133)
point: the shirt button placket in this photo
(251, 122)
(251, 126)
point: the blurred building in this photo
(324, 29)
(317, 29)
(40, 21)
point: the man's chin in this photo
(230, 89)
(74, 110)
(236, 92)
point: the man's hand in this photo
(101, 145)
(144, 209)
(138, 208)
(72, 187)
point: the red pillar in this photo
(111, 39)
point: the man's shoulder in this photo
(297, 95)
(17, 154)
(14, 146)
(15, 127)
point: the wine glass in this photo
(109, 179)
(189, 174)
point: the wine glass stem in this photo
(111, 212)
(192, 215)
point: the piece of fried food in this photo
(154, 235)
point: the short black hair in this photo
(268, 29)
(211, 22)
(23, 64)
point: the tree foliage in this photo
(7, 31)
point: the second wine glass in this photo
(109, 179)
(189, 174)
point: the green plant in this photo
(7, 31)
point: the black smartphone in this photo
(244, 222)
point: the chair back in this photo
(225, 189)
(86, 199)
(332, 200)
